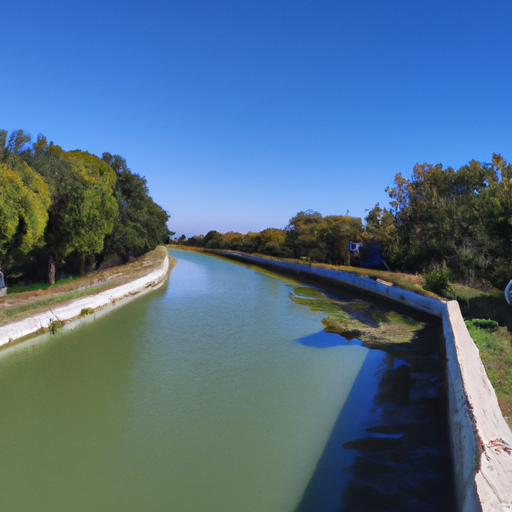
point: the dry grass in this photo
(22, 305)
(413, 283)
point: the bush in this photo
(482, 323)
(55, 326)
(438, 282)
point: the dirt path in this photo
(19, 306)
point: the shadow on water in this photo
(324, 339)
(389, 449)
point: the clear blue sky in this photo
(242, 113)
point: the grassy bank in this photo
(496, 353)
(21, 310)
(24, 302)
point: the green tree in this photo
(97, 210)
(272, 242)
(380, 226)
(422, 214)
(141, 224)
(83, 208)
(338, 232)
(214, 240)
(459, 218)
(75, 199)
(24, 202)
(302, 234)
(18, 142)
(323, 239)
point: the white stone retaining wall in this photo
(480, 437)
(73, 310)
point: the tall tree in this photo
(460, 218)
(18, 142)
(83, 208)
(98, 209)
(338, 232)
(24, 202)
(380, 226)
(141, 223)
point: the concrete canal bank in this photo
(481, 439)
(89, 307)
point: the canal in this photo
(221, 392)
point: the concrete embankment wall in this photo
(99, 303)
(480, 437)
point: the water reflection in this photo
(393, 432)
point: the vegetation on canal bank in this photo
(494, 343)
(28, 302)
(445, 224)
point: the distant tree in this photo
(214, 240)
(338, 232)
(323, 239)
(195, 241)
(249, 242)
(234, 240)
(302, 233)
(272, 242)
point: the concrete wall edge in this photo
(70, 313)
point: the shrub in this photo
(55, 326)
(438, 281)
(482, 323)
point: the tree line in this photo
(309, 236)
(70, 209)
(439, 220)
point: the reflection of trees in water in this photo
(404, 461)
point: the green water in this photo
(196, 397)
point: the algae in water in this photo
(373, 325)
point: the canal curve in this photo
(219, 392)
